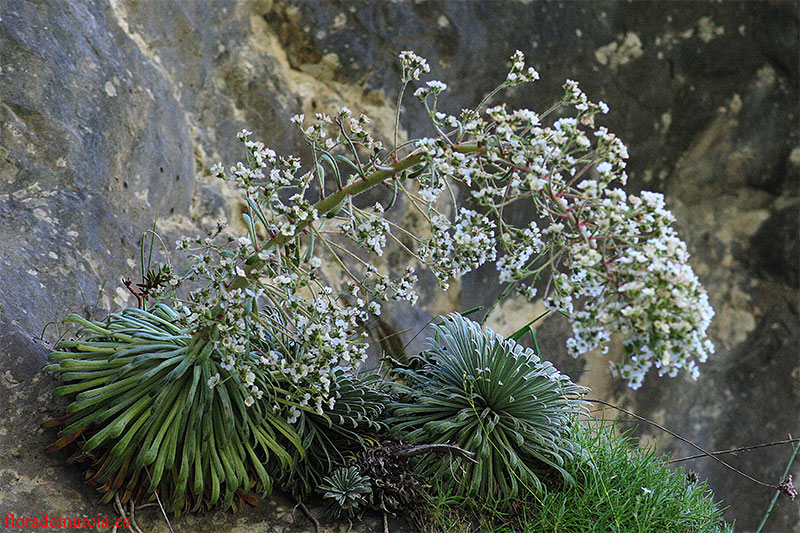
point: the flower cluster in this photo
(518, 72)
(413, 66)
(460, 246)
(634, 279)
(612, 262)
(369, 231)
(319, 336)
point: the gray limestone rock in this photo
(112, 112)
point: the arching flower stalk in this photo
(614, 263)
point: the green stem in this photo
(778, 492)
(358, 186)
(331, 202)
(397, 119)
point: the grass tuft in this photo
(619, 488)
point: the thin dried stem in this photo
(435, 448)
(734, 450)
(314, 521)
(687, 441)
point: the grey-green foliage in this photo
(330, 437)
(345, 491)
(493, 397)
(161, 412)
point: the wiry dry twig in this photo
(314, 521)
(734, 450)
(435, 448)
(133, 519)
(687, 441)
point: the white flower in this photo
(617, 265)
(422, 92)
(436, 86)
(413, 65)
(287, 229)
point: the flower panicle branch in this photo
(612, 261)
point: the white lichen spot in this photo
(131, 263)
(52, 255)
(339, 21)
(734, 325)
(443, 21)
(513, 313)
(735, 104)
(110, 89)
(121, 300)
(32, 272)
(707, 30)
(794, 157)
(42, 215)
(72, 233)
(666, 121)
(742, 30)
(620, 52)
(765, 77)
(578, 33)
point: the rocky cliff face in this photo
(112, 112)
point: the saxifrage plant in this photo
(264, 321)
(157, 411)
(493, 397)
(345, 491)
(613, 260)
(331, 438)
